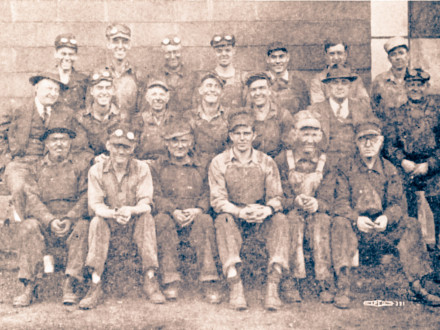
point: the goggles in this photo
(171, 41)
(120, 133)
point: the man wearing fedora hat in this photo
(55, 222)
(339, 114)
(66, 53)
(28, 123)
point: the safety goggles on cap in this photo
(120, 133)
(65, 41)
(223, 40)
(103, 74)
(171, 41)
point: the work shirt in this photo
(75, 96)
(179, 186)
(232, 95)
(354, 180)
(57, 190)
(234, 184)
(106, 192)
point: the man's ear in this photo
(108, 145)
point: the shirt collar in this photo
(377, 167)
(107, 167)
(284, 76)
(40, 108)
(192, 160)
(203, 116)
(46, 160)
(127, 67)
(179, 72)
(114, 110)
(253, 158)
(344, 112)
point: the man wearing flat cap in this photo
(336, 53)
(308, 188)
(55, 221)
(272, 122)
(388, 88)
(413, 144)
(150, 122)
(66, 53)
(28, 124)
(209, 121)
(223, 45)
(180, 79)
(128, 80)
(290, 91)
(120, 198)
(339, 113)
(246, 193)
(370, 215)
(182, 202)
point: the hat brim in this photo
(121, 140)
(367, 132)
(165, 88)
(403, 45)
(36, 79)
(120, 35)
(175, 134)
(64, 130)
(270, 51)
(351, 78)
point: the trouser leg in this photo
(343, 243)
(434, 204)
(16, 175)
(98, 241)
(145, 238)
(296, 253)
(77, 249)
(318, 235)
(229, 240)
(276, 231)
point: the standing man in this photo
(290, 91)
(225, 51)
(388, 89)
(339, 114)
(181, 81)
(128, 80)
(182, 202)
(120, 198)
(56, 217)
(369, 213)
(336, 53)
(66, 53)
(272, 122)
(246, 192)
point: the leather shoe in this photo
(69, 296)
(211, 292)
(272, 302)
(290, 290)
(423, 295)
(237, 299)
(326, 295)
(93, 297)
(151, 289)
(171, 292)
(25, 299)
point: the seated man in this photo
(120, 198)
(369, 212)
(55, 216)
(308, 189)
(246, 192)
(182, 200)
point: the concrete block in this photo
(89, 58)
(8, 57)
(141, 11)
(424, 54)
(389, 18)
(423, 19)
(32, 59)
(5, 9)
(15, 85)
(34, 11)
(82, 11)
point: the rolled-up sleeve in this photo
(96, 193)
(274, 190)
(144, 189)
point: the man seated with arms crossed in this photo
(182, 201)
(369, 213)
(56, 213)
(246, 193)
(120, 198)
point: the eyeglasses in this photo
(119, 133)
(172, 41)
(65, 41)
(371, 138)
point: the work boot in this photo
(25, 299)
(272, 301)
(211, 292)
(342, 299)
(171, 291)
(93, 297)
(326, 294)
(237, 299)
(290, 290)
(423, 295)
(151, 289)
(69, 296)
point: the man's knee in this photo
(164, 223)
(81, 228)
(279, 220)
(322, 221)
(203, 221)
(223, 220)
(341, 224)
(97, 224)
(295, 219)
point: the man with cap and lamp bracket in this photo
(308, 185)
(290, 91)
(120, 198)
(209, 120)
(246, 193)
(369, 213)
(54, 218)
(66, 53)
(336, 53)
(182, 202)
(225, 51)
(272, 122)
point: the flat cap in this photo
(340, 72)
(175, 128)
(306, 119)
(59, 124)
(240, 118)
(212, 75)
(101, 74)
(66, 40)
(368, 126)
(158, 83)
(54, 76)
(257, 76)
(417, 75)
(277, 45)
(395, 42)
(118, 30)
(220, 40)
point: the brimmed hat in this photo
(118, 30)
(277, 45)
(369, 126)
(175, 128)
(158, 83)
(417, 75)
(221, 40)
(213, 75)
(240, 118)
(121, 134)
(340, 72)
(59, 124)
(99, 75)
(66, 40)
(306, 119)
(257, 76)
(47, 75)
(395, 42)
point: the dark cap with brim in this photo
(121, 134)
(240, 118)
(369, 126)
(47, 75)
(65, 130)
(257, 76)
(176, 128)
(277, 45)
(158, 83)
(212, 75)
(417, 75)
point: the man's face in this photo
(225, 55)
(172, 55)
(339, 88)
(259, 92)
(416, 90)
(58, 146)
(336, 55)
(119, 153)
(278, 61)
(103, 92)
(399, 58)
(47, 91)
(119, 47)
(66, 57)
(179, 146)
(157, 98)
(210, 90)
(369, 146)
(242, 138)
(309, 139)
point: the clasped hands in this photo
(306, 203)
(414, 169)
(366, 225)
(60, 227)
(255, 213)
(186, 217)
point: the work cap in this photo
(171, 40)
(368, 126)
(212, 75)
(59, 124)
(121, 134)
(175, 128)
(306, 119)
(118, 30)
(240, 118)
(277, 45)
(417, 75)
(257, 76)
(158, 83)
(101, 74)
(220, 40)
(395, 42)
(66, 40)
